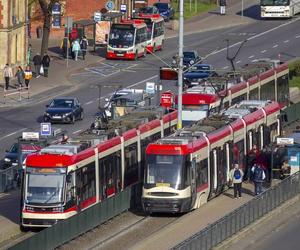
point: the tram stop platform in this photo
(191, 223)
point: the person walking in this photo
(65, 45)
(222, 7)
(20, 76)
(28, 76)
(259, 177)
(37, 61)
(236, 176)
(7, 74)
(83, 45)
(46, 63)
(76, 49)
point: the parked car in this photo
(64, 109)
(189, 58)
(148, 10)
(165, 10)
(197, 73)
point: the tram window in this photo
(131, 164)
(266, 135)
(267, 91)
(202, 172)
(253, 94)
(256, 138)
(70, 197)
(238, 99)
(88, 181)
(238, 152)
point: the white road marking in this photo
(239, 61)
(13, 133)
(226, 67)
(77, 131)
(255, 60)
(297, 36)
(286, 41)
(90, 102)
(251, 56)
(263, 51)
(275, 46)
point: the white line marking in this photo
(77, 131)
(239, 61)
(275, 46)
(263, 51)
(297, 36)
(286, 41)
(251, 56)
(13, 133)
(255, 60)
(226, 67)
(90, 102)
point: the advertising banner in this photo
(102, 32)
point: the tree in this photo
(46, 7)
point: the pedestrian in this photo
(259, 177)
(46, 63)
(29, 54)
(236, 176)
(222, 6)
(28, 76)
(20, 76)
(37, 61)
(7, 74)
(76, 49)
(65, 45)
(83, 45)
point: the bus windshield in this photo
(121, 36)
(166, 169)
(274, 2)
(44, 186)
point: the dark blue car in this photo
(165, 10)
(197, 73)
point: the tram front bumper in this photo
(155, 205)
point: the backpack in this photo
(83, 44)
(258, 174)
(237, 174)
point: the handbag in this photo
(42, 70)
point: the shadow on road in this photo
(251, 12)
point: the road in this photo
(266, 40)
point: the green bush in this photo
(295, 68)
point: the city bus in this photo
(127, 40)
(279, 8)
(156, 31)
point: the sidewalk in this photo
(58, 81)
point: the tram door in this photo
(79, 197)
(193, 182)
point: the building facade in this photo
(13, 37)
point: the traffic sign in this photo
(46, 129)
(123, 8)
(110, 5)
(166, 99)
(150, 87)
(97, 16)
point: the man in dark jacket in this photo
(259, 177)
(222, 6)
(46, 64)
(37, 61)
(83, 45)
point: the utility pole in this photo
(180, 69)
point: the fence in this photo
(235, 221)
(7, 181)
(69, 229)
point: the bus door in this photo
(193, 182)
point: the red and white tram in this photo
(127, 40)
(63, 179)
(199, 101)
(156, 31)
(186, 169)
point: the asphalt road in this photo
(265, 39)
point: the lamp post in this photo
(180, 68)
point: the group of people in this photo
(41, 66)
(76, 47)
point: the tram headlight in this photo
(28, 208)
(58, 209)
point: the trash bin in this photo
(39, 32)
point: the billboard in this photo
(102, 32)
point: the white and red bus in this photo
(184, 170)
(156, 31)
(64, 179)
(127, 40)
(199, 101)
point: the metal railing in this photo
(7, 178)
(243, 216)
(68, 229)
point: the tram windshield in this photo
(165, 170)
(44, 186)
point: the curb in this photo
(226, 245)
